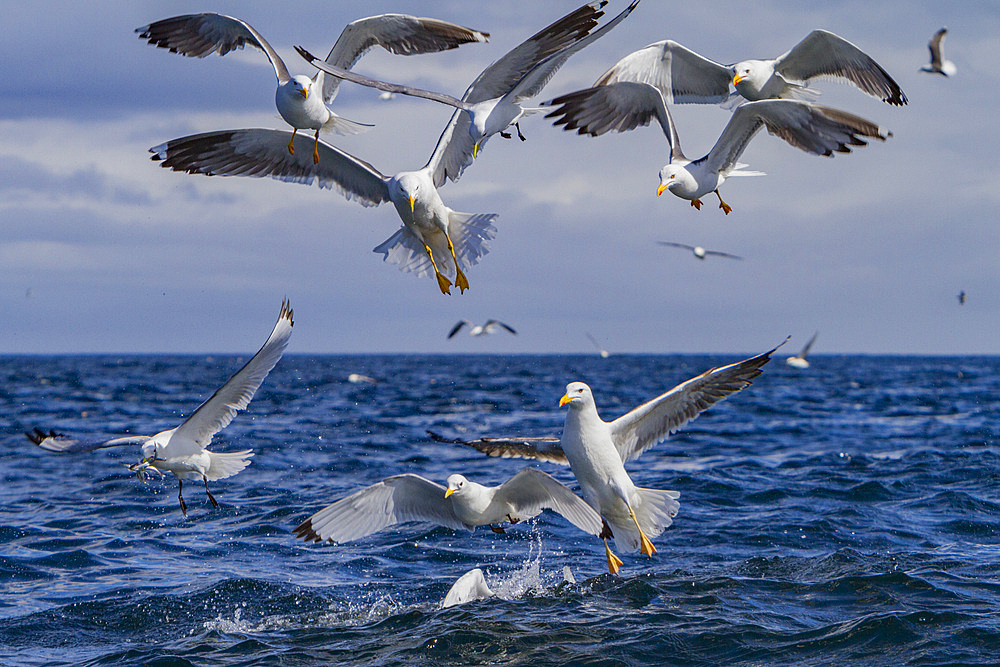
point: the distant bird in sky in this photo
(491, 326)
(462, 504)
(182, 449)
(600, 350)
(495, 100)
(799, 360)
(961, 298)
(939, 65)
(698, 251)
(302, 101)
(626, 105)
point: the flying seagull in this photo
(626, 105)
(685, 77)
(491, 326)
(600, 350)
(597, 450)
(939, 65)
(462, 504)
(698, 251)
(496, 99)
(302, 101)
(799, 360)
(182, 449)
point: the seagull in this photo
(462, 504)
(596, 450)
(491, 326)
(685, 77)
(495, 100)
(799, 360)
(961, 298)
(358, 378)
(302, 101)
(625, 105)
(938, 63)
(600, 350)
(182, 449)
(470, 587)
(698, 251)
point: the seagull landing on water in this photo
(799, 360)
(182, 450)
(462, 504)
(597, 450)
(302, 101)
(938, 64)
(491, 326)
(495, 100)
(626, 105)
(698, 251)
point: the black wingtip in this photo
(38, 435)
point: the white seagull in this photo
(491, 326)
(182, 449)
(685, 77)
(462, 504)
(600, 350)
(626, 105)
(302, 101)
(597, 450)
(939, 65)
(799, 360)
(698, 251)
(496, 99)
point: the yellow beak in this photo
(565, 399)
(305, 93)
(475, 151)
(737, 79)
(659, 190)
(412, 204)
(449, 492)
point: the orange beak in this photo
(659, 190)
(305, 93)
(565, 399)
(737, 79)
(449, 492)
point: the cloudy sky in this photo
(103, 251)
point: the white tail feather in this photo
(654, 509)
(228, 464)
(340, 125)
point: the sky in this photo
(102, 251)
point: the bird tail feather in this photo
(228, 464)
(340, 125)
(654, 509)
(406, 250)
(471, 234)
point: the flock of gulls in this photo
(773, 94)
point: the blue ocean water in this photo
(847, 513)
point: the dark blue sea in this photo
(844, 514)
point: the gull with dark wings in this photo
(302, 101)
(698, 251)
(495, 100)
(491, 326)
(626, 105)
(182, 449)
(596, 450)
(939, 64)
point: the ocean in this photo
(848, 513)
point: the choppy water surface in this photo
(846, 513)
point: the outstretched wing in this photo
(541, 448)
(935, 46)
(654, 420)
(531, 491)
(260, 152)
(682, 75)
(397, 499)
(808, 346)
(719, 253)
(197, 35)
(57, 442)
(824, 54)
(815, 129)
(215, 414)
(491, 323)
(458, 327)
(677, 245)
(401, 34)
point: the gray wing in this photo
(498, 323)
(531, 491)
(397, 499)
(676, 245)
(619, 106)
(719, 253)
(400, 34)
(815, 129)
(540, 448)
(453, 152)
(824, 54)
(458, 327)
(935, 46)
(808, 346)
(655, 420)
(198, 35)
(57, 442)
(215, 414)
(260, 152)
(682, 75)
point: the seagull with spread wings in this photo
(626, 105)
(597, 450)
(495, 100)
(698, 251)
(182, 449)
(799, 360)
(491, 326)
(939, 64)
(302, 101)
(462, 504)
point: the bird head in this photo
(671, 176)
(300, 84)
(749, 76)
(407, 187)
(456, 484)
(577, 395)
